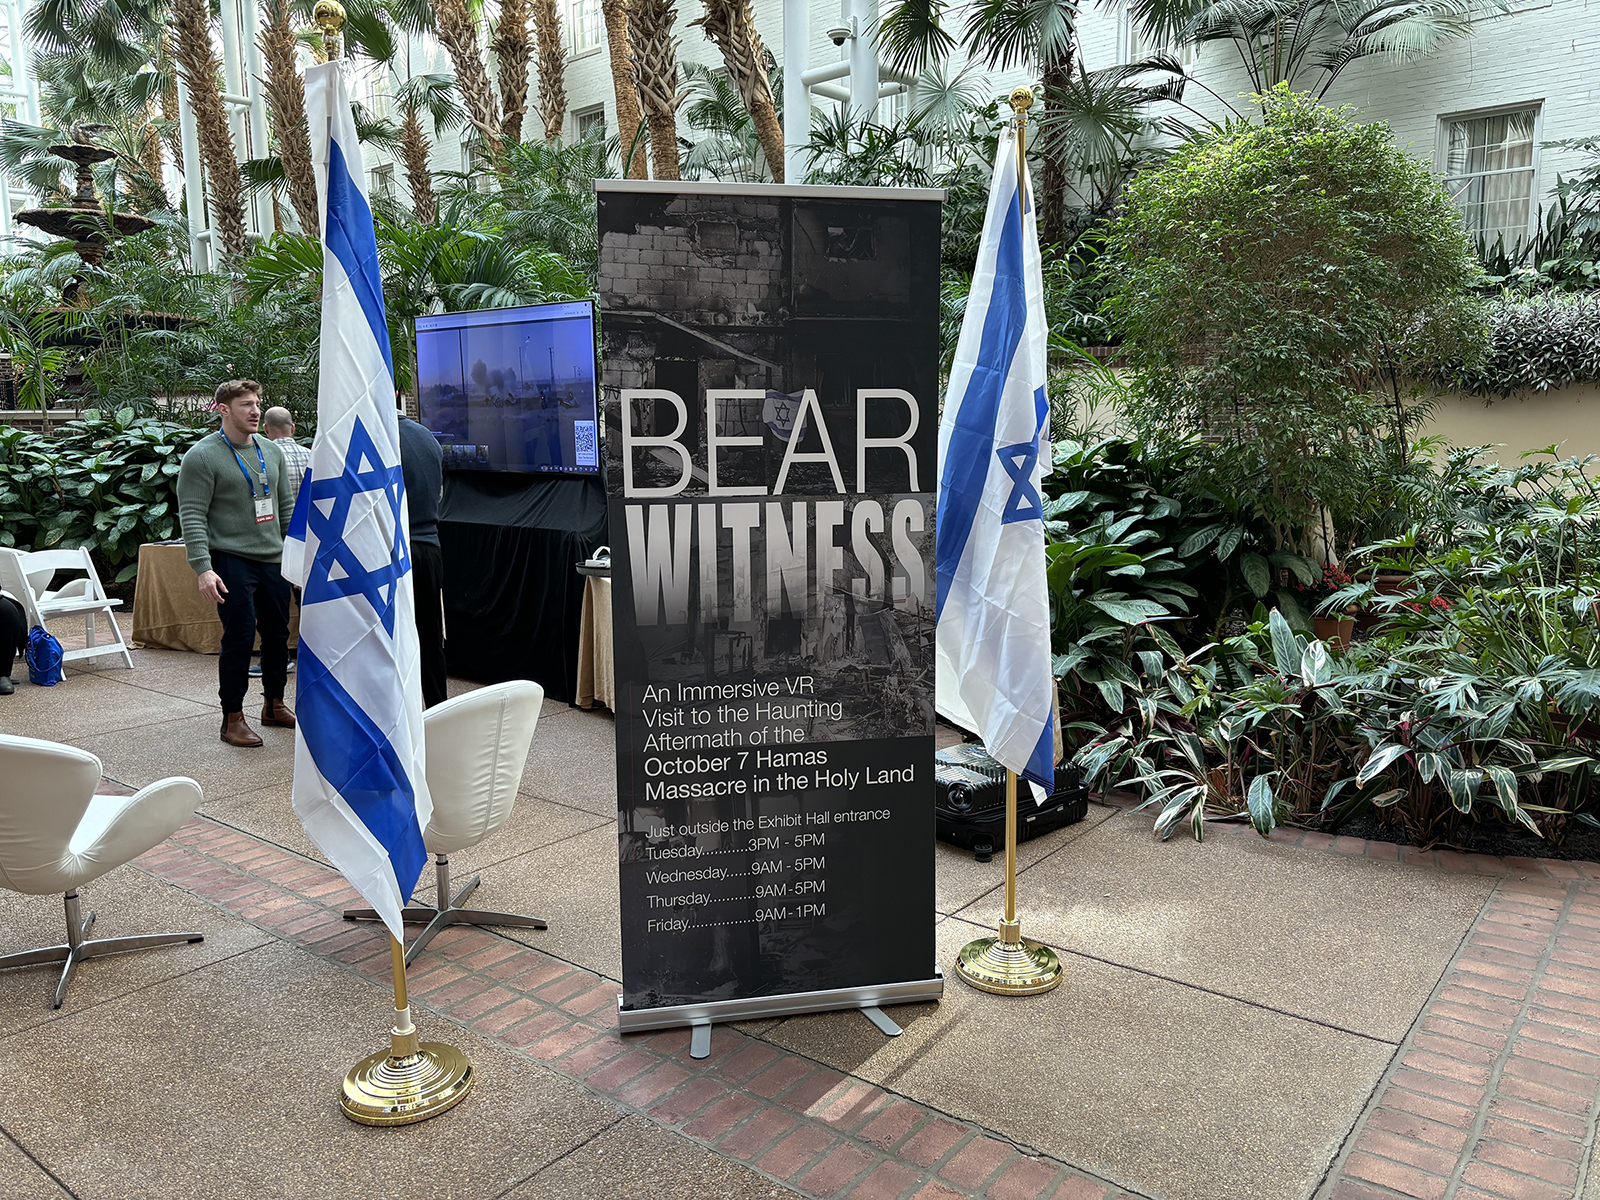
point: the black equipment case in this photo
(970, 803)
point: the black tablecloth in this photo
(512, 599)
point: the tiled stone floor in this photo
(1288, 1018)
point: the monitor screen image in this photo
(511, 389)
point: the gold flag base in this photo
(410, 1081)
(1020, 968)
(389, 1089)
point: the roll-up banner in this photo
(771, 369)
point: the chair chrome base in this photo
(77, 948)
(451, 912)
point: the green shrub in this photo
(1272, 281)
(108, 481)
(1538, 342)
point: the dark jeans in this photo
(257, 600)
(13, 632)
(427, 583)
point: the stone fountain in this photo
(84, 220)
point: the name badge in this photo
(264, 511)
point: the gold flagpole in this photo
(1010, 964)
(412, 1080)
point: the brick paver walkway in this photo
(1494, 1093)
(816, 1130)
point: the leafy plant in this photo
(1538, 342)
(1480, 695)
(106, 480)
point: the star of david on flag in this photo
(993, 606)
(1023, 502)
(337, 570)
(360, 783)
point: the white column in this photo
(194, 188)
(21, 63)
(796, 105)
(864, 59)
(256, 90)
(234, 96)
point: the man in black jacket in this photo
(422, 464)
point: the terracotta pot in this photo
(1336, 633)
(1393, 585)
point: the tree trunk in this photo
(286, 101)
(150, 154)
(199, 67)
(655, 66)
(460, 38)
(1053, 153)
(552, 54)
(619, 40)
(731, 25)
(414, 154)
(511, 49)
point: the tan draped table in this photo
(169, 611)
(596, 676)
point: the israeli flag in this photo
(359, 786)
(994, 450)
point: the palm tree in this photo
(552, 53)
(655, 67)
(511, 49)
(433, 94)
(198, 65)
(103, 62)
(1307, 44)
(424, 268)
(459, 34)
(1003, 34)
(619, 37)
(545, 200)
(727, 147)
(286, 100)
(731, 25)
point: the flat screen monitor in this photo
(511, 389)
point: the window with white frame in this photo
(1135, 45)
(591, 122)
(1489, 172)
(474, 165)
(383, 180)
(583, 25)
(893, 108)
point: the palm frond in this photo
(435, 94)
(912, 36)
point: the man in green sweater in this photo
(230, 493)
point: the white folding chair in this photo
(27, 576)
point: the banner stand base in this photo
(700, 1017)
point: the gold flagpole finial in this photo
(328, 16)
(1021, 101)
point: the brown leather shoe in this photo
(276, 712)
(236, 733)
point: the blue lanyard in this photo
(245, 471)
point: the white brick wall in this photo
(1547, 55)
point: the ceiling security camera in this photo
(839, 34)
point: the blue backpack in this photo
(44, 657)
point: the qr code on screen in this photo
(584, 443)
